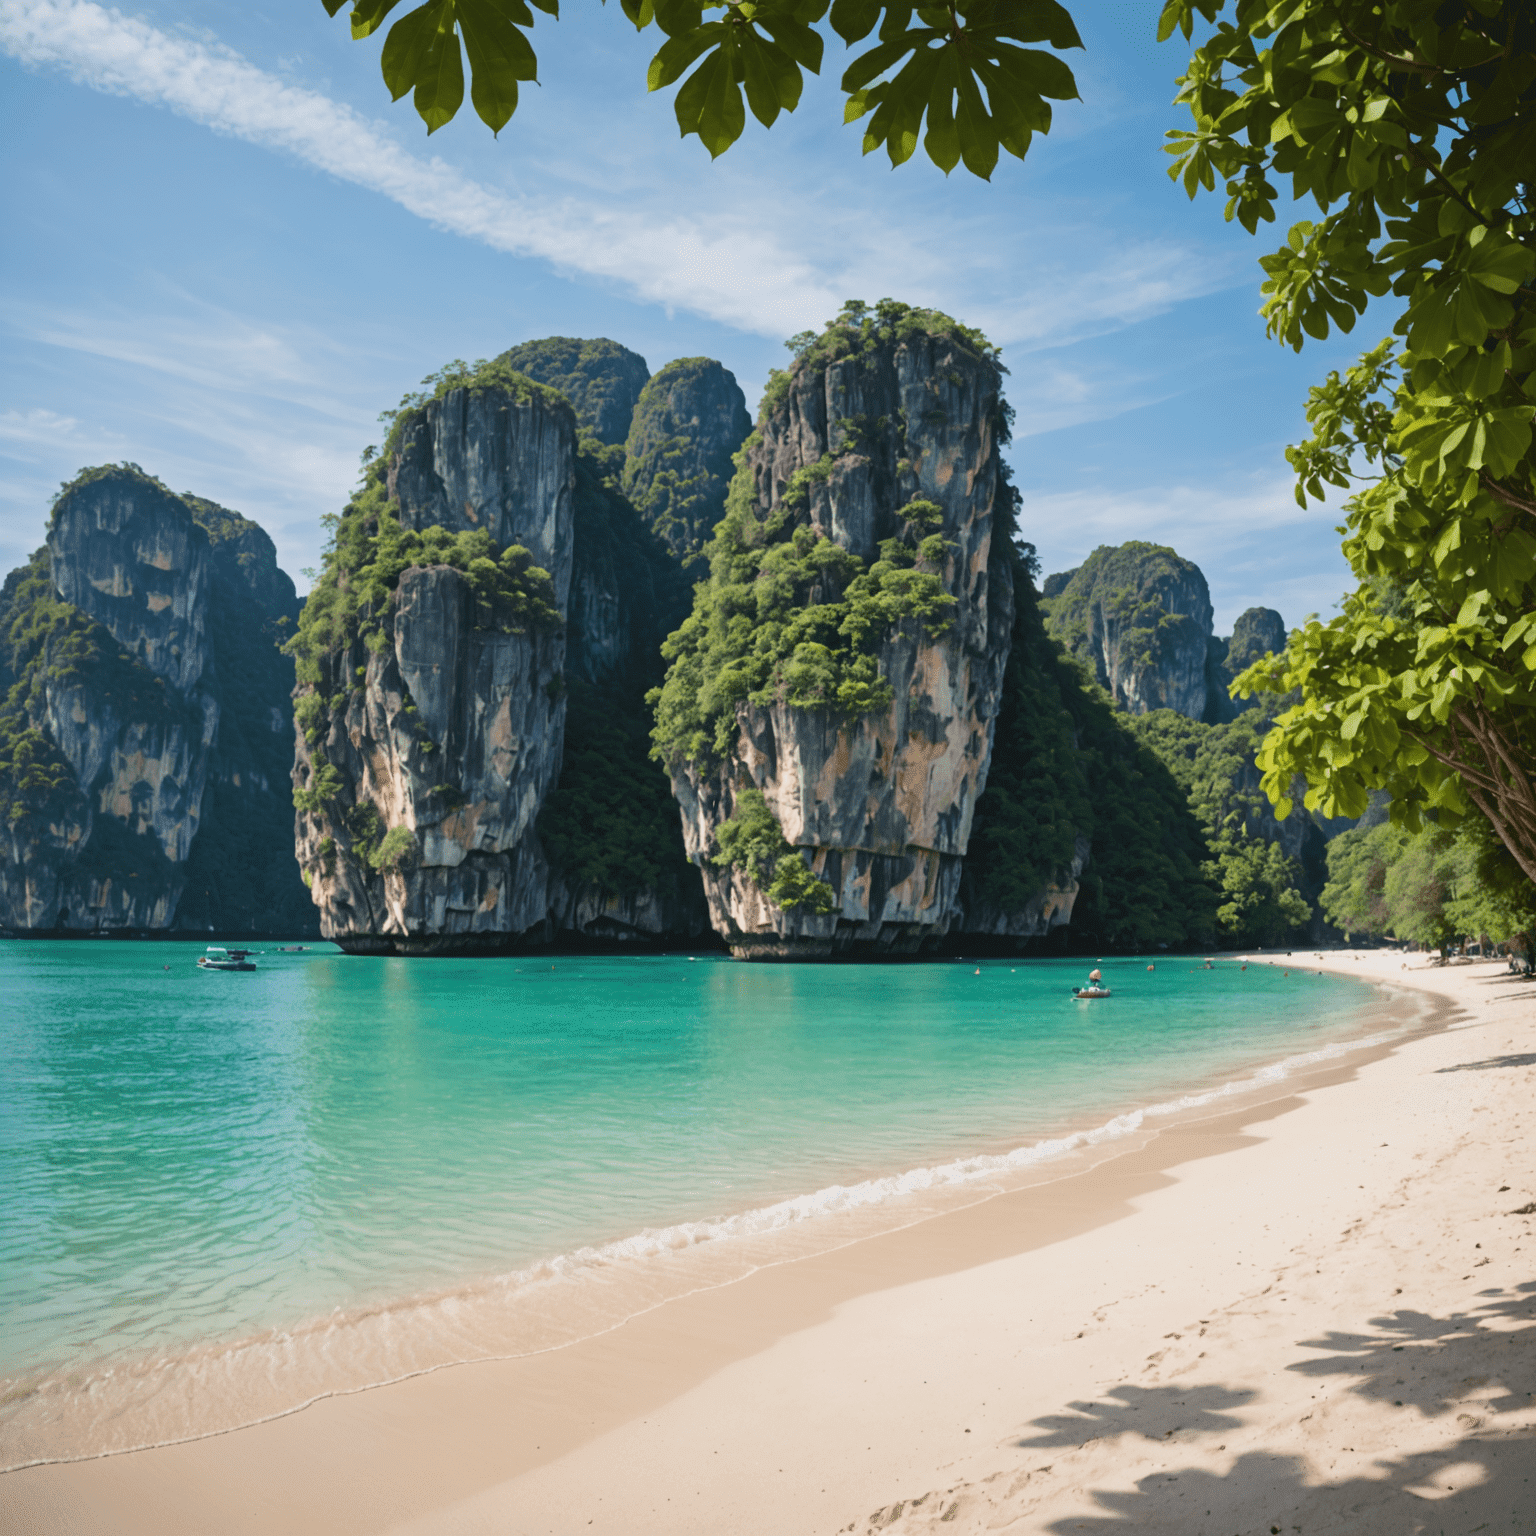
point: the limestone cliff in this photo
(844, 660)
(122, 651)
(1140, 616)
(432, 659)
(688, 423)
(472, 770)
(1257, 633)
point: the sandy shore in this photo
(1314, 1311)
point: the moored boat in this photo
(217, 958)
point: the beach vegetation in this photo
(1431, 887)
(1412, 128)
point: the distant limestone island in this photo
(594, 662)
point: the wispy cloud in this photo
(47, 428)
(731, 275)
(725, 262)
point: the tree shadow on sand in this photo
(1155, 1413)
(1410, 1362)
(1525, 1059)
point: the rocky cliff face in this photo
(874, 470)
(1141, 617)
(114, 718)
(1257, 633)
(688, 423)
(601, 379)
(472, 771)
(433, 724)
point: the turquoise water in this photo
(190, 1156)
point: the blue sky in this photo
(227, 252)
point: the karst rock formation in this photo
(147, 726)
(879, 804)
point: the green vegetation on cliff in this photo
(610, 821)
(1262, 888)
(1065, 765)
(43, 638)
(752, 840)
(861, 330)
(787, 614)
(689, 422)
(601, 379)
(368, 551)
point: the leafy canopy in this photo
(958, 66)
(1428, 887)
(1412, 125)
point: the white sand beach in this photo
(1312, 1310)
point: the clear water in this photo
(189, 1156)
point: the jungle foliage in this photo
(611, 821)
(1263, 889)
(600, 378)
(1431, 887)
(787, 614)
(1065, 764)
(687, 425)
(957, 64)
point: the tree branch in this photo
(1498, 492)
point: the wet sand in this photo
(1311, 1309)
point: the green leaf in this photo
(406, 47)
(367, 15)
(854, 20)
(499, 57)
(440, 77)
(673, 58)
(942, 140)
(978, 137)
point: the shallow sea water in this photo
(226, 1194)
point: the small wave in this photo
(840, 1199)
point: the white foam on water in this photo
(838, 1199)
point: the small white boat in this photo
(1082, 994)
(217, 958)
